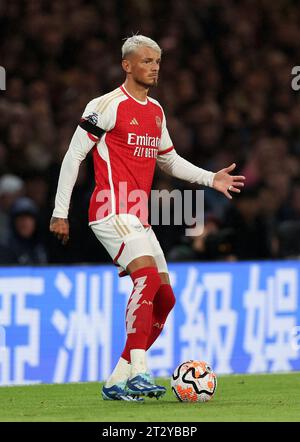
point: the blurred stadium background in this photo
(225, 85)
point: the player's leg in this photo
(132, 252)
(163, 303)
(124, 239)
(164, 300)
(133, 362)
(139, 311)
(123, 369)
(146, 281)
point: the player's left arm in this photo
(173, 164)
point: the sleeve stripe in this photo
(103, 104)
(115, 261)
(91, 128)
(165, 151)
(103, 100)
(91, 137)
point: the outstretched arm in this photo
(176, 166)
(173, 164)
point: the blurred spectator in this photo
(289, 240)
(11, 188)
(251, 237)
(194, 248)
(24, 242)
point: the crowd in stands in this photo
(225, 86)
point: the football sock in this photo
(120, 374)
(163, 303)
(138, 362)
(139, 309)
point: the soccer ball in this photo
(194, 381)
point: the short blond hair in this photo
(131, 44)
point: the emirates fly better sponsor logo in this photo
(145, 146)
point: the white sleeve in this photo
(173, 164)
(79, 147)
(98, 117)
(165, 141)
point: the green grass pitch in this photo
(238, 398)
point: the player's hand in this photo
(60, 228)
(225, 183)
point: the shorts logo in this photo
(138, 228)
(92, 118)
(158, 121)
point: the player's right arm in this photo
(85, 136)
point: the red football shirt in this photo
(125, 155)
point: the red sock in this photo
(163, 303)
(139, 309)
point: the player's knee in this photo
(164, 300)
(141, 263)
(165, 278)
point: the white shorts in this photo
(125, 238)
